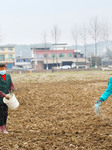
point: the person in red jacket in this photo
(6, 86)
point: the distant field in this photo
(65, 75)
(56, 112)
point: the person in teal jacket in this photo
(6, 86)
(104, 96)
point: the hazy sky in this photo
(24, 21)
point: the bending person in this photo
(104, 96)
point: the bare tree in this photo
(84, 34)
(95, 31)
(75, 35)
(56, 33)
(45, 44)
(106, 32)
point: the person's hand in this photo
(97, 106)
(11, 91)
(7, 97)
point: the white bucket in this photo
(12, 103)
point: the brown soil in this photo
(58, 114)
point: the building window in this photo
(2, 57)
(61, 55)
(38, 56)
(2, 49)
(10, 56)
(28, 60)
(75, 55)
(23, 60)
(69, 55)
(53, 55)
(17, 60)
(10, 49)
(45, 55)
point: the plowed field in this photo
(56, 112)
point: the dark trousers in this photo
(3, 114)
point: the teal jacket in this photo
(5, 85)
(108, 90)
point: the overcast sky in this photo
(24, 21)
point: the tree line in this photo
(95, 30)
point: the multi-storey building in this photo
(24, 62)
(7, 56)
(44, 58)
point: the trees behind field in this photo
(45, 45)
(75, 35)
(106, 33)
(56, 33)
(93, 60)
(96, 30)
(84, 36)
